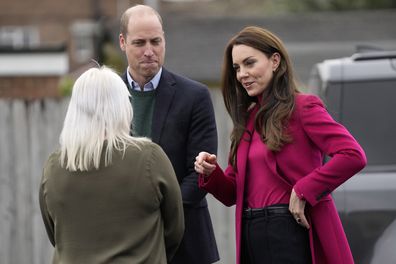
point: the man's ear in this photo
(122, 42)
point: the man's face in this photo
(144, 46)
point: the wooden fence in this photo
(29, 132)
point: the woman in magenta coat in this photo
(276, 175)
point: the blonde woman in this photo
(107, 197)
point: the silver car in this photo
(360, 92)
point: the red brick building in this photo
(34, 32)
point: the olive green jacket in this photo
(128, 212)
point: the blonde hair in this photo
(99, 114)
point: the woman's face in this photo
(254, 70)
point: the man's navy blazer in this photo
(184, 124)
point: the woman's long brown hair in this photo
(277, 102)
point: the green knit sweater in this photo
(143, 108)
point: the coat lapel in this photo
(270, 159)
(242, 154)
(243, 149)
(164, 95)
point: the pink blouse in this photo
(263, 187)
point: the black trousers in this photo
(272, 236)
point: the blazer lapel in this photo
(272, 165)
(164, 95)
(125, 79)
(243, 151)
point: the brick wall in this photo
(21, 12)
(29, 87)
(54, 19)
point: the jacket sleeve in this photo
(48, 222)
(202, 137)
(333, 139)
(221, 185)
(170, 199)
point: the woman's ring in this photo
(298, 220)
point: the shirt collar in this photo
(151, 85)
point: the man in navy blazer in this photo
(176, 113)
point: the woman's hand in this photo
(296, 207)
(205, 163)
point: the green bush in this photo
(113, 58)
(66, 86)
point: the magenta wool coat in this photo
(300, 165)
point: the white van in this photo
(360, 92)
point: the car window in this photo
(368, 110)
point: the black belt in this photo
(266, 211)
